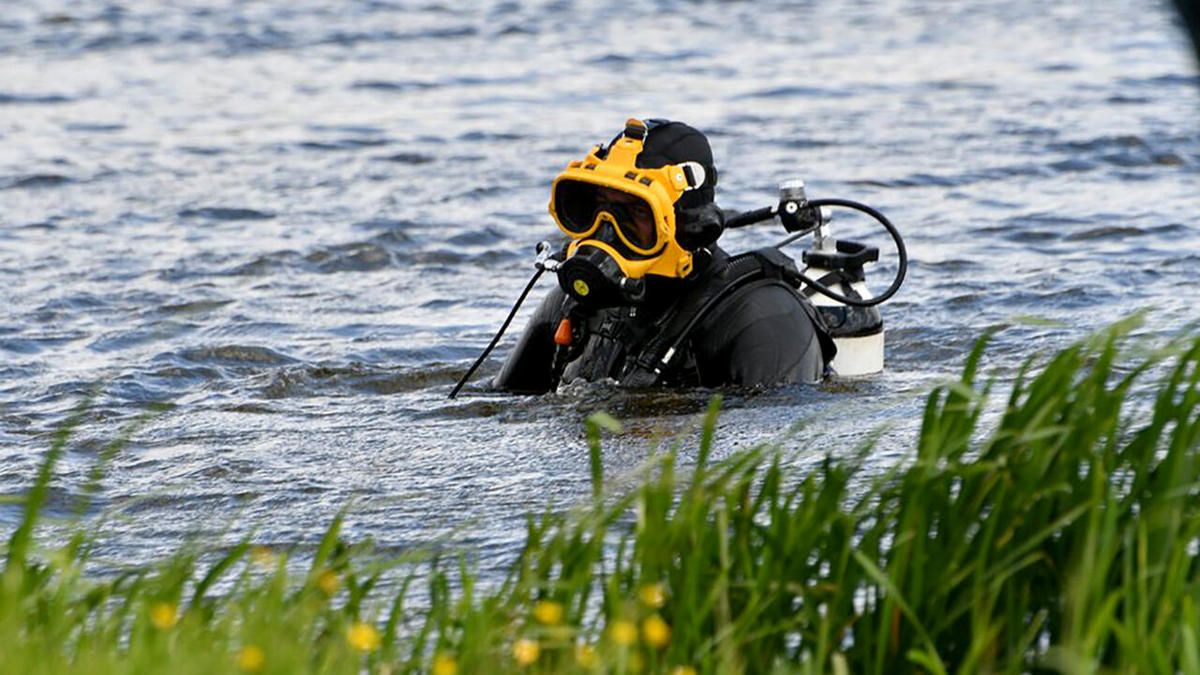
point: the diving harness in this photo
(833, 279)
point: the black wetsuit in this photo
(760, 332)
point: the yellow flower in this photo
(363, 637)
(623, 632)
(263, 556)
(548, 612)
(683, 670)
(162, 615)
(585, 655)
(251, 659)
(656, 632)
(652, 595)
(526, 651)
(444, 664)
(327, 581)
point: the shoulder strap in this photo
(646, 367)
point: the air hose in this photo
(813, 207)
(901, 254)
(499, 334)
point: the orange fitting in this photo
(562, 336)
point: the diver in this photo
(646, 297)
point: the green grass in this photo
(1063, 538)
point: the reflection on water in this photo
(298, 222)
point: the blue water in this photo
(298, 222)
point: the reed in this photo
(1063, 538)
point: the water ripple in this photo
(225, 213)
(407, 158)
(235, 355)
(37, 180)
(7, 98)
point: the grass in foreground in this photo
(1063, 540)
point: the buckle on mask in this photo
(694, 174)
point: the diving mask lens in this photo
(633, 217)
(575, 203)
(580, 208)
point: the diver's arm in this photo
(528, 368)
(762, 335)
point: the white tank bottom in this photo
(858, 356)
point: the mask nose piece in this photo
(604, 218)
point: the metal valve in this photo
(794, 211)
(545, 260)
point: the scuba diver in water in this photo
(646, 297)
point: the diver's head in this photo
(675, 143)
(642, 206)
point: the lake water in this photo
(299, 222)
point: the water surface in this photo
(298, 222)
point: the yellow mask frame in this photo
(659, 188)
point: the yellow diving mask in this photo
(621, 219)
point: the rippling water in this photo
(298, 222)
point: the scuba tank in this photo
(857, 331)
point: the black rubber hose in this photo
(492, 345)
(750, 217)
(901, 253)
